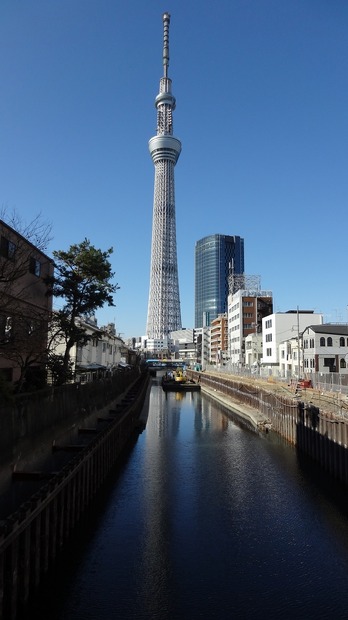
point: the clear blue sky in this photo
(262, 113)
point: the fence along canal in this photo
(322, 435)
(33, 535)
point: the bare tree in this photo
(18, 251)
(37, 231)
(24, 304)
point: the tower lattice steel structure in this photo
(164, 313)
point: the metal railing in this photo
(326, 382)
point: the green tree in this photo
(55, 366)
(82, 280)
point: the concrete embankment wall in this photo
(30, 418)
(31, 537)
(318, 434)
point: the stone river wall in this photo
(320, 432)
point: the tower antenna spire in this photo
(166, 22)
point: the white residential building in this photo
(253, 350)
(157, 346)
(100, 355)
(283, 326)
(201, 336)
(182, 344)
(289, 358)
(325, 349)
(319, 349)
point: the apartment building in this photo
(201, 337)
(25, 307)
(246, 311)
(100, 355)
(182, 344)
(281, 327)
(219, 339)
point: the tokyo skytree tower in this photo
(163, 315)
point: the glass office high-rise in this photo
(215, 257)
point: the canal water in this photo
(205, 518)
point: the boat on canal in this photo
(178, 382)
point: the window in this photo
(322, 342)
(34, 266)
(269, 323)
(342, 345)
(5, 328)
(342, 363)
(311, 343)
(329, 342)
(7, 248)
(268, 352)
(32, 326)
(268, 337)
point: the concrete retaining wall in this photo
(32, 416)
(31, 538)
(319, 435)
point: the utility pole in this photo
(298, 344)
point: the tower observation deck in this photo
(164, 313)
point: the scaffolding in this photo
(240, 281)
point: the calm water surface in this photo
(206, 519)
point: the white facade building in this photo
(253, 350)
(100, 355)
(283, 326)
(325, 349)
(182, 344)
(289, 358)
(158, 346)
(202, 337)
